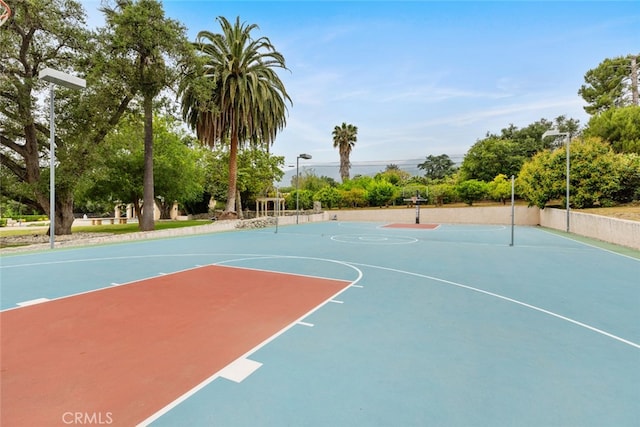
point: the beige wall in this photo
(475, 215)
(619, 231)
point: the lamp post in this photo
(56, 78)
(306, 157)
(555, 132)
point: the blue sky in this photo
(423, 78)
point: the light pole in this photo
(306, 157)
(56, 78)
(555, 132)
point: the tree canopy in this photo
(53, 34)
(620, 127)
(148, 47)
(437, 167)
(543, 178)
(117, 175)
(613, 83)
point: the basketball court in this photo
(345, 324)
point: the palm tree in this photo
(244, 99)
(344, 138)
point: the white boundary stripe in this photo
(502, 297)
(336, 301)
(222, 264)
(32, 302)
(239, 370)
(209, 380)
(310, 325)
(373, 239)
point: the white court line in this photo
(504, 298)
(310, 325)
(239, 370)
(336, 301)
(32, 302)
(590, 245)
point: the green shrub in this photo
(471, 190)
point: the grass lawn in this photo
(109, 228)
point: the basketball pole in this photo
(276, 208)
(513, 207)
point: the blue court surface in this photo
(444, 327)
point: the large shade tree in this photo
(235, 97)
(148, 46)
(52, 34)
(437, 167)
(117, 175)
(613, 83)
(345, 137)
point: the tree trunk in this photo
(147, 221)
(137, 209)
(165, 210)
(233, 175)
(64, 215)
(635, 99)
(239, 205)
(345, 164)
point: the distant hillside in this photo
(332, 169)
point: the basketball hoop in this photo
(5, 12)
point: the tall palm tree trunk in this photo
(233, 176)
(345, 165)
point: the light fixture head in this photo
(62, 79)
(553, 132)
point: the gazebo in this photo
(263, 204)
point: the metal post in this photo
(568, 162)
(52, 170)
(276, 208)
(417, 207)
(555, 132)
(513, 209)
(297, 192)
(300, 156)
(56, 77)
